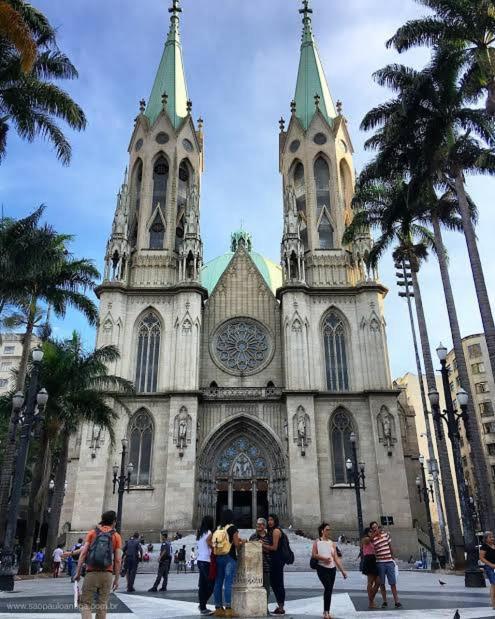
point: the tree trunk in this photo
(477, 452)
(453, 521)
(10, 446)
(57, 500)
(39, 482)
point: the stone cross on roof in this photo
(175, 8)
(306, 10)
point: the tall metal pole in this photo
(426, 498)
(473, 575)
(123, 482)
(7, 568)
(432, 461)
(356, 475)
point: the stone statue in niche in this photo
(242, 468)
(386, 429)
(182, 430)
(301, 429)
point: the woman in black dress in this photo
(369, 567)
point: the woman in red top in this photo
(369, 567)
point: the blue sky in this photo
(241, 60)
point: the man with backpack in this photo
(102, 554)
(164, 561)
(133, 553)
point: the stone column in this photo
(254, 503)
(230, 499)
(248, 595)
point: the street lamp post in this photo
(33, 412)
(428, 495)
(122, 482)
(473, 575)
(357, 478)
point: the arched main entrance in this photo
(242, 467)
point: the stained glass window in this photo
(140, 434)
(340, 436)
(157, 233)
(335, 353)
(148, 353)
(242, 346)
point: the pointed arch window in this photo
(340, 436)
(140, 433)
(183, 187)
(137, 184)
(148, 353)
(157, 232)
(325, 232)
(300, 189)
(160, 182)
(322, 182)
(334, 338)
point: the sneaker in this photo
(398, 605)
(152, 590)
(206, 612)
(384, 604)
(162, 589)
(278, 611)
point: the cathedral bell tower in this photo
(318, 177)
(155, 239)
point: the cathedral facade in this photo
(251, 379)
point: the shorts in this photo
(369, 566)
(490, 574)
(387, 569)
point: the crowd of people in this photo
(99, 558)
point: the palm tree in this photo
(397, 209)
(470, 26)
(80, 387)
(30, 101)
(17, 32)
(426, 131)
(58, 280)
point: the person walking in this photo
(261, 535)
(487, 557)
(205, 584)
(276, 563)
(369, 568)
(133, 552)
(164, 561)
(325, 552)
(57, 560)
(384, 553)
(181, 565)
(192, 559)
(225, 542)
(73, 557)
(102, 554)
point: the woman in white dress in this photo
(325, 552)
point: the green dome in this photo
(212, 271)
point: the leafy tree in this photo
(29, 100)
(467, 25)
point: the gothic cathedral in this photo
(252, 380)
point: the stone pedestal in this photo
(248, 595)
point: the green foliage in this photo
(29, 101)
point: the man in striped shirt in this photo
(384, 561)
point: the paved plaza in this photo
(421, 594)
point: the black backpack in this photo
(100, 555)
(285, 549)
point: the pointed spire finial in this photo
(339, 107)
(189, 106)
(200, 123)
(281, 123)
(317, 100)
(175, 9)
(142, 106)
(293, 106)
(164, 100)
(306, 10)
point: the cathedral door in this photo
(243, 470)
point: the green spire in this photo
(311, 80)
(170, 78)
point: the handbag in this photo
(212, 572)
(313, 563)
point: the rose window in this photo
(242, 346)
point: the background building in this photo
(483, 391)
(10, 358)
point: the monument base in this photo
(248, 594)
